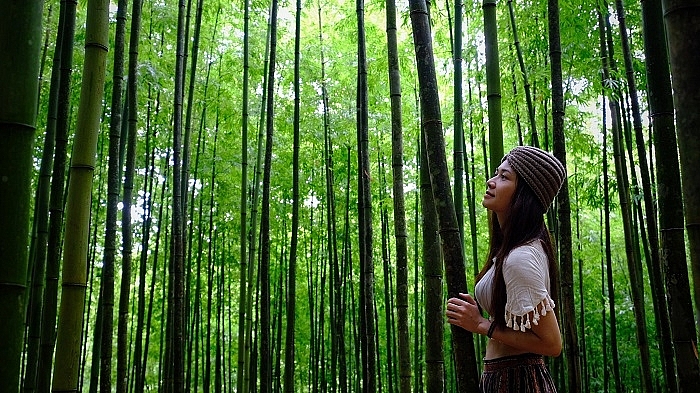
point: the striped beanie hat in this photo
(543, 172)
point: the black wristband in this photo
(492, 327)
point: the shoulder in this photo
(527, 258)
(526, 275)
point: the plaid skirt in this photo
(524, 373)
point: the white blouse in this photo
(526, 274)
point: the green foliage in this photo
(221, 54)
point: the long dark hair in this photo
(525, 223)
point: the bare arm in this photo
(543, 338)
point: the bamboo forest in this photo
(280, 196)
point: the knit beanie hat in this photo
(543, 172)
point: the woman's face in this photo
(500, 189)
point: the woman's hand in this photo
(463, 311)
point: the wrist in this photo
(491, 329)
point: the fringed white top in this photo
(526, 274)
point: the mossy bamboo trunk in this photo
(20, 34)
(681, 19)
(668, 180)
(450, 238)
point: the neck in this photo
(502, 219)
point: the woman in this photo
(514, 285)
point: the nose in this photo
(490, 183)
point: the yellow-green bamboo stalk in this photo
(75, 246)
